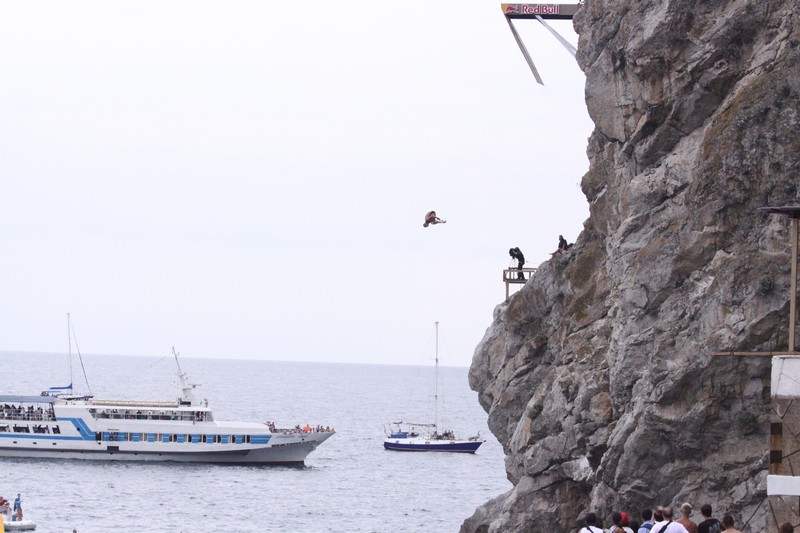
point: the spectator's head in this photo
(686, 509)
(706, 510)
(658, 514)
(727, 521)
(625, 519)
(786, 527)
(647, 514)
(591, 519)
(667, 512)
(616, 518)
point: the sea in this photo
(349, 484)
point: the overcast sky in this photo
(249, 179)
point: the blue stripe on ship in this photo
(79, 424)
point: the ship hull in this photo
(419, 445)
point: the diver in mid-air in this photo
(431, 218)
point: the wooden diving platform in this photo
(511, 276)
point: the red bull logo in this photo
(561, 11)
(540, 9)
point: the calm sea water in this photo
(350, 483)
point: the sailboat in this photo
(406, 437)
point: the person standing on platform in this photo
(516, 253)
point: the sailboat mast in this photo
(436, 384)
(69, 341)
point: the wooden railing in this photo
(516, 275)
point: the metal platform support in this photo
(539, 12)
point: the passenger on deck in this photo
(431, 218)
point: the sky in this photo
(249, 179)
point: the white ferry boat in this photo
(69, 426)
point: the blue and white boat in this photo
(407, 438)
(426, 437)
(61, 425)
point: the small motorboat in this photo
(7, 516)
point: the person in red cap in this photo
(626, 522)
(620, 521)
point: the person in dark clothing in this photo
(516, 253)
(709, 524)
(563, 246)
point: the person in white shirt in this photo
(667, 525)
(591, 525)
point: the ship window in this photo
(4, 428)
(56, 430)
(247, 439)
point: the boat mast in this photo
(436, 384)
(69, 341)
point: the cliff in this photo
(598, 376)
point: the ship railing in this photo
(38, 417)
(183, 416)
(290, 431)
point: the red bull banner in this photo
(546, 11)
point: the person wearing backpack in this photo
(709, 524)
(591, 524)
(647, 524)
(667, 525)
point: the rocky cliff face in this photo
(598, 376)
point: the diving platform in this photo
(511, 277)
(540, 12)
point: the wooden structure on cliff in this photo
(511, 276)
(784, 455)
(539, 12)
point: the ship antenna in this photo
(174, 353)
(187, 389)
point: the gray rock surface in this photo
(598, 376)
